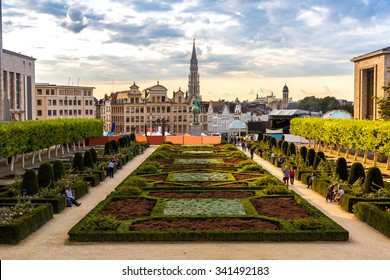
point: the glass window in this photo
(39, 112)
(39, 102)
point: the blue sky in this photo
(244, 48)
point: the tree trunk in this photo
(48, 153)
(365, 156)
(375, 159)
(74, 145)
(33, 158)
(67, 147)
(309, 144)
(39, 155)
(23, 162)
(84, 143)
(338, 150)
(347, 152)
(388, 163)
(56, 154)
(11, 167)
(356, 154)
(79, 145)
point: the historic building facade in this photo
(371, 74)
(59, 101)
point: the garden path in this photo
(51, 241)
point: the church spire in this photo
(193, 77)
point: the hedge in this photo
(373, 215)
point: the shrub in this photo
(108, 148)
(45, 175)
(30, 182)
(291, 149)
(373, 181)
(276, 190)
(88, 162)
(132, 137)
(100, 222)
(272, 142)
(94, 155)
(320, 156)
(58, 170)
(114, 145)
(251, 168)
(78, 162)
(260, 137)
(121, 142)
(311, 154)
(303, 152)
(148, 167)
(285, 148)
(279, 144)
(342, 169)
(356, 172)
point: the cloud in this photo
(314, 16)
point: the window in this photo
(75, 112)
(79, 112)
(49, 102)
(49, 112)
(91, 112)
(52, 92)
(90, 102)
(61, 102)
(86, 112)
(39, 112)
(39, 91)
(54, 112)
(66, 102)
(79, 102)
(61, 112)
(47, 92)
(39, 102)
(86, 102)
(54, 102)
(70, 112)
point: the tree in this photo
(45, 175)
(30, 182)
(58, 170)
(78, 162)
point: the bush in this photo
(285, 148)
(272, 142)
(303, 152)
(100, 222)
(94, 155)
(320, 156)
(132, 137)
(30, 182)
(279, 144)
(342, 169)
(78, 162)
(88, 162)
(121, 142)
(311, 154)
(45, 175)
(114, 145)
(260, 137)
(291, 149)
(373, 181)
(357, 171)
(276, 190)
(108, 148)
(58, 170)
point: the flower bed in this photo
(212, 177)
(198, 161)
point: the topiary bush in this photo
(121, 142)
(260, 137)
(279, 144)
(291, 149)
(45, 175)
(272, 143)
(88, 162)
(310, 156)
(285, 148)
(357, 171)
(58, 170)
(114, 146)
(132, 137)
(94, 155)
(320, 156)
(30, 182)
(78, 162)
(373, 181)
(108, 148)
(342, 169)
(303, 153)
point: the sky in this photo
(244, 48)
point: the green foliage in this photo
(285, 148)
(320, 156)
(260, 137)
(58, 170)
(132, 137)
(251, 168)
(148, 167)
(94, 155)
(108, 148)
(88, 162)
(100, 222)
(30, 182)
(276, 190)
(311, 154)
(357, 172)
(121, 142)
(272, 142)
(46, 175)
(373, 180)
(114, 145)
(291, 149)
(279, 144)
(312, 103)
(159, 154)
(264, 181)
(342, 169)
(78, 162)
(303, 152)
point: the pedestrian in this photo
(330, 191)
(111, 166)
(311, 179)
(252, 152)
(69, 198)
(286, 175)
(292, 175)
(243, 146)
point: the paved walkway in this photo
(50, 242)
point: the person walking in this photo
(111, 166)
(292, 175)
(286, 175)
(252, 151)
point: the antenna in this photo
(78, 80)
(69, 81)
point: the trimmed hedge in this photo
(347, 201)
(57, 202)
(374, 215)
(23, 226)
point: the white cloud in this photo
(314, 16)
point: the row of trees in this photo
(360, 135)
(18, 138)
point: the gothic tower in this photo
(285, 97)
(193, 77)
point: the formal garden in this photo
(204, 192)
(28, 203)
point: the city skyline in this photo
(244, 48)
